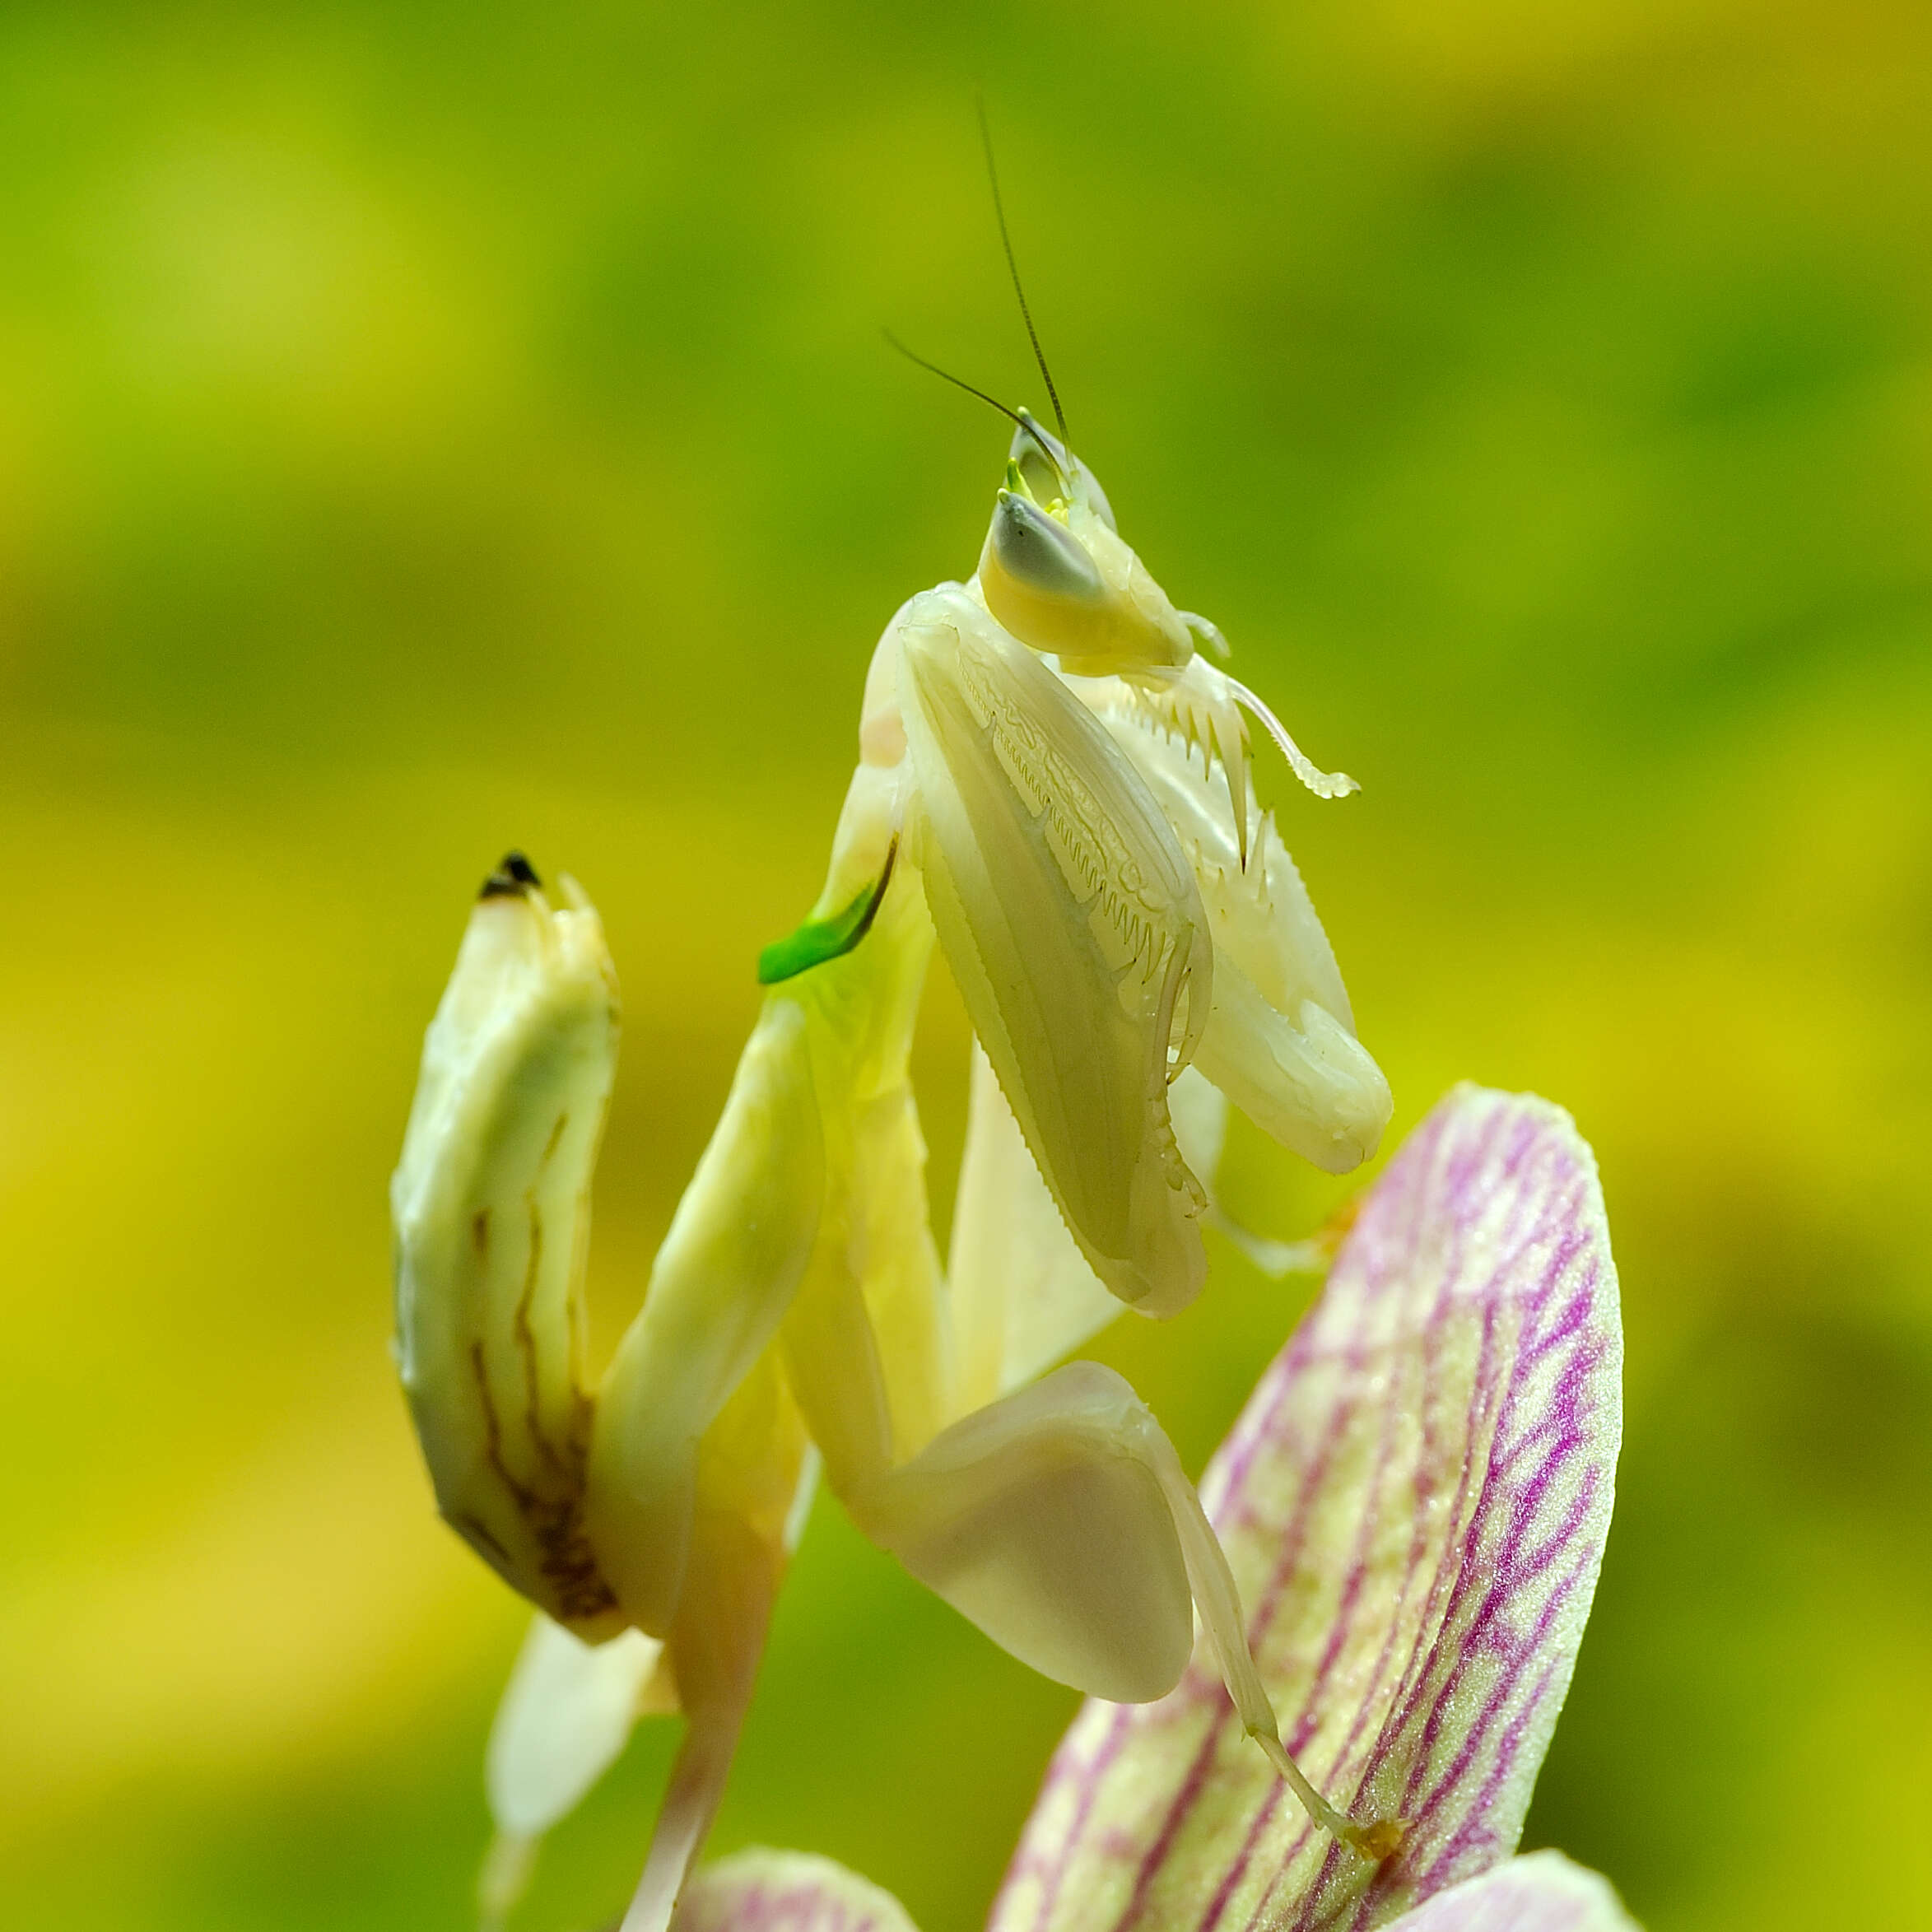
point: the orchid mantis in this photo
(1053, 785)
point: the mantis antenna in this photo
(1006, 241)
(1026, 422)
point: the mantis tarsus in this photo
(1055, 785)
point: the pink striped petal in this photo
(1414, 1503)
(759, 1891)
(1543, 1893)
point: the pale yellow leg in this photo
(1059, 1520)
(722, 1282)
(716, 1640)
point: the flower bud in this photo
(492, 1205)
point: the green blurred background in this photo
(425, 428)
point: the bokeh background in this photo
(425, 428)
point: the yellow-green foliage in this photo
(429, 429)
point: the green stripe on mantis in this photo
(820, 939)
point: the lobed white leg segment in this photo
(1059, 1520)
(1042, 1518)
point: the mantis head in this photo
(1057, 576)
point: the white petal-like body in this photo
(1074, 929)
(1117, 916)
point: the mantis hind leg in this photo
(1056, 1517)
(1058, 1520)
(715, 1646)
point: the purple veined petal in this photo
(1542, 1892)
(1414, 1503)
(760, 1890)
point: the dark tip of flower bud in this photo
(514, 876)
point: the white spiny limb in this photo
(1325, 785)
(1199, 709)
(1280, 1040)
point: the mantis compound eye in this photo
(1060, 581)
(1040, 554)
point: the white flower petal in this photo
(1541, 1892)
